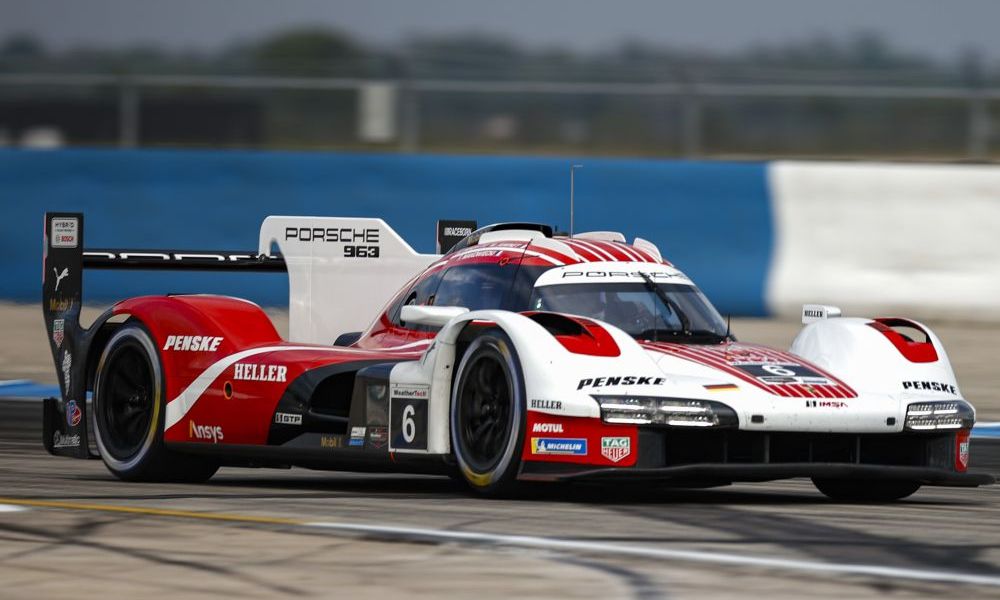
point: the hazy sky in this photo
(940, 28)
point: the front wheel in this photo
(861, 490)
(488, 415)
(129, 413)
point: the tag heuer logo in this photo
(615, 448)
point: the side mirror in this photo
(435, 316)
(818, 312)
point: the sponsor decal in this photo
(59, 305)
(256, 372)
(825, 404)
(65, 232)
(73, 413)
(597, 382)
(61, 440)
(930, 386)
(963, 453)
(410, 391)
(457, 231)
(357, 436)
(816, 314)
(192, 343)
(331, 441)
(782, 373)
(282, 418)
(58, 332)
(547, 428)
(656, 275)
(615, 448)
(368, 235)
(408, 421)
(378, 436)
(722, 387)
(60, 276)
(546, 404)
(205, 432)
(474, 254)
(67, 364)
(563, 446)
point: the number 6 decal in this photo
(409, 427)
(408, 418)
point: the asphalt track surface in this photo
(69, 530)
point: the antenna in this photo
(572, 173)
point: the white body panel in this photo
(330, 293)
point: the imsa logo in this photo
(615, 448)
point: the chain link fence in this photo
(668, 119)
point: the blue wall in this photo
(712, 219)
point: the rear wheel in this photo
(129, 411)
(488, 414)
(861, 490)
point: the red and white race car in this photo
(516, 356)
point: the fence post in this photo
(409, 126)
(128, 113)
(979, 127)
(691, 124)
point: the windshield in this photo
(644, 310)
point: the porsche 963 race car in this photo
(515, 356)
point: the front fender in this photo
(557, 379)
(865, 356)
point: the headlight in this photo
(927, 416)
(673, 412)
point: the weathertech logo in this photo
(192, 343)
(211, 433)
(615, 448)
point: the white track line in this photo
(9, 508)
(664, 553)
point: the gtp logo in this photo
(205, 432)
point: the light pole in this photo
(572, 174)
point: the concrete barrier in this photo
(759, 238)
(919, 240)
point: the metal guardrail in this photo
(980, 126)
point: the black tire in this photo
(862, 490)
(488, 415)
(129, 410)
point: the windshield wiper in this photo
(651, 286)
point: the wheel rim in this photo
(126, 403)
(485, 413)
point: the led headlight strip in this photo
(927, 416)
(672, 412)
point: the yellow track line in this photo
(158, 512)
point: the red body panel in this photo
(606, 445)
(257, 381)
